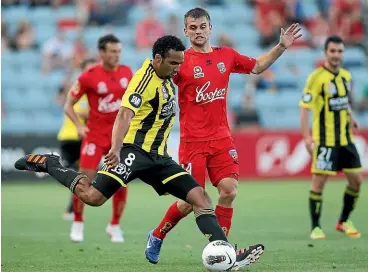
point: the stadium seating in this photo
(24, 87)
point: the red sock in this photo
(78, 207)
(171, 218)
(118, 205)
(224, 216)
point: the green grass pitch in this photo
(35, 238)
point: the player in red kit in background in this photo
(104, 85)
(205, 139)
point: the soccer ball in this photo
(218, 256)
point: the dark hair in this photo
(163, 45)
(333, 39)
(109, 38)
(85, 62)
(197, 13)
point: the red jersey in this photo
(104, 90)
(203, 83)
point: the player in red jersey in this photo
(104, 85)
(205, 139)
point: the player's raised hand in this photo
(291, 34)
(112, 158)
(82, 131)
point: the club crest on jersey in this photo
(332, 89)
(165, 93)
(221, 66)
(124, 82)
(198, 73)
(101, 87)
(234, 154)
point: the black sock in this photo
(315, 208)
(67, 177)
(350, 198)
(209, 226)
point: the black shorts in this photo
(329, 160)
(161, 172)
(70, 152)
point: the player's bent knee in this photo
(96, 198)
(184, 207)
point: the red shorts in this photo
(92, 151)
(218, 157)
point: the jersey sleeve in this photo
(80, 87)
(135, 96)
(310, 93)
(242, 64)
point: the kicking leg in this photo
(77, 183)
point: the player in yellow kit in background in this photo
(328, 95)
(70, 143)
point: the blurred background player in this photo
(68, 137)
(328, 94)
(205, 138)
(104, 85)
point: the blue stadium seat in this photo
(46, 123)
(92, 34)
(42, 16)
(354, 58)
(126, 35)
(136, 14)
(28, 59)
(12, 15)
(13, 99)
(36, 100)
(16, 122)
(44, 32)
(66, 12)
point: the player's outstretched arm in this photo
(287, 38)
(120, 129)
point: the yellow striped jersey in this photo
(327, 95)
(68, 131)
(153, 101)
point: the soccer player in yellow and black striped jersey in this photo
(328, 95)
(144, 122)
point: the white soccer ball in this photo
(218, 256)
